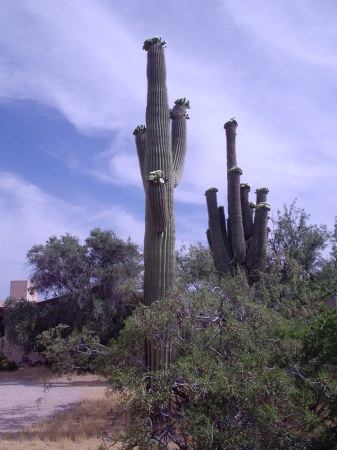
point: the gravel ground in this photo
(24, 402)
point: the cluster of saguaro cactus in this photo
(161, 153)
(241, 240)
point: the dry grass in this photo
(81, 427)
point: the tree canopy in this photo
(64, 266)
(95, 284)
(292, 233)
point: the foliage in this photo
(64, 266)
(238, 379)
(320, 340)
(194, 265)
(22, 323)
(95, 284)
(286, 288)
(7, 365)
(319, 365)
(327, 277)
(291, 233)
(76, 350)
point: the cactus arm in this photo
(233, 194)
(209, 239)
(230, 128)
(140, 138)
(247, 213)
(235, 215)
(222, 261)
(179, 116)
(261, 195)
(256, 255)
(222, 219)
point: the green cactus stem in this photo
(140, 135)
(178, 116)
(243, 242)
(247, 212)
(230, 128)
(222, 219)
(256, 255)
(261, 195)
(222, 260)
(161, 160)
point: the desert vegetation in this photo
(254, 365)
(230, 347)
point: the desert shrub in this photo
(7, 365)
(237, 380)
(68, 350)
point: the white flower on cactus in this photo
(157, 176)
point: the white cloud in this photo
(79, 59)
(304, 30)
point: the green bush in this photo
(236, 380)
(7, 366)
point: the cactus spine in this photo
(243, 241)
(161, 154)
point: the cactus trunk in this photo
(161, 165)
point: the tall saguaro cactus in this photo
(161, 153)
(242, 239)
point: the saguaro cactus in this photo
(161, 154)
(243, 239)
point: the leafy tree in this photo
(60, 266)
(327, 276)
(22, 324)
(194, 265)
(292, 234)
(95, 284)
(64, 266)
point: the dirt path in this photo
(25, 398)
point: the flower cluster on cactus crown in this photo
(156, 177)
(264, 189)
(212, 189)
(183, 102)
(139, 129)
(230, 122)
(263, 205)
(252, 205)
(155, 40)
(245, 186)
(234, 169)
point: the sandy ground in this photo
(27, 396)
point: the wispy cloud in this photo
(291, 27)
(79, 59)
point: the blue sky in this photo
(73, 88)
